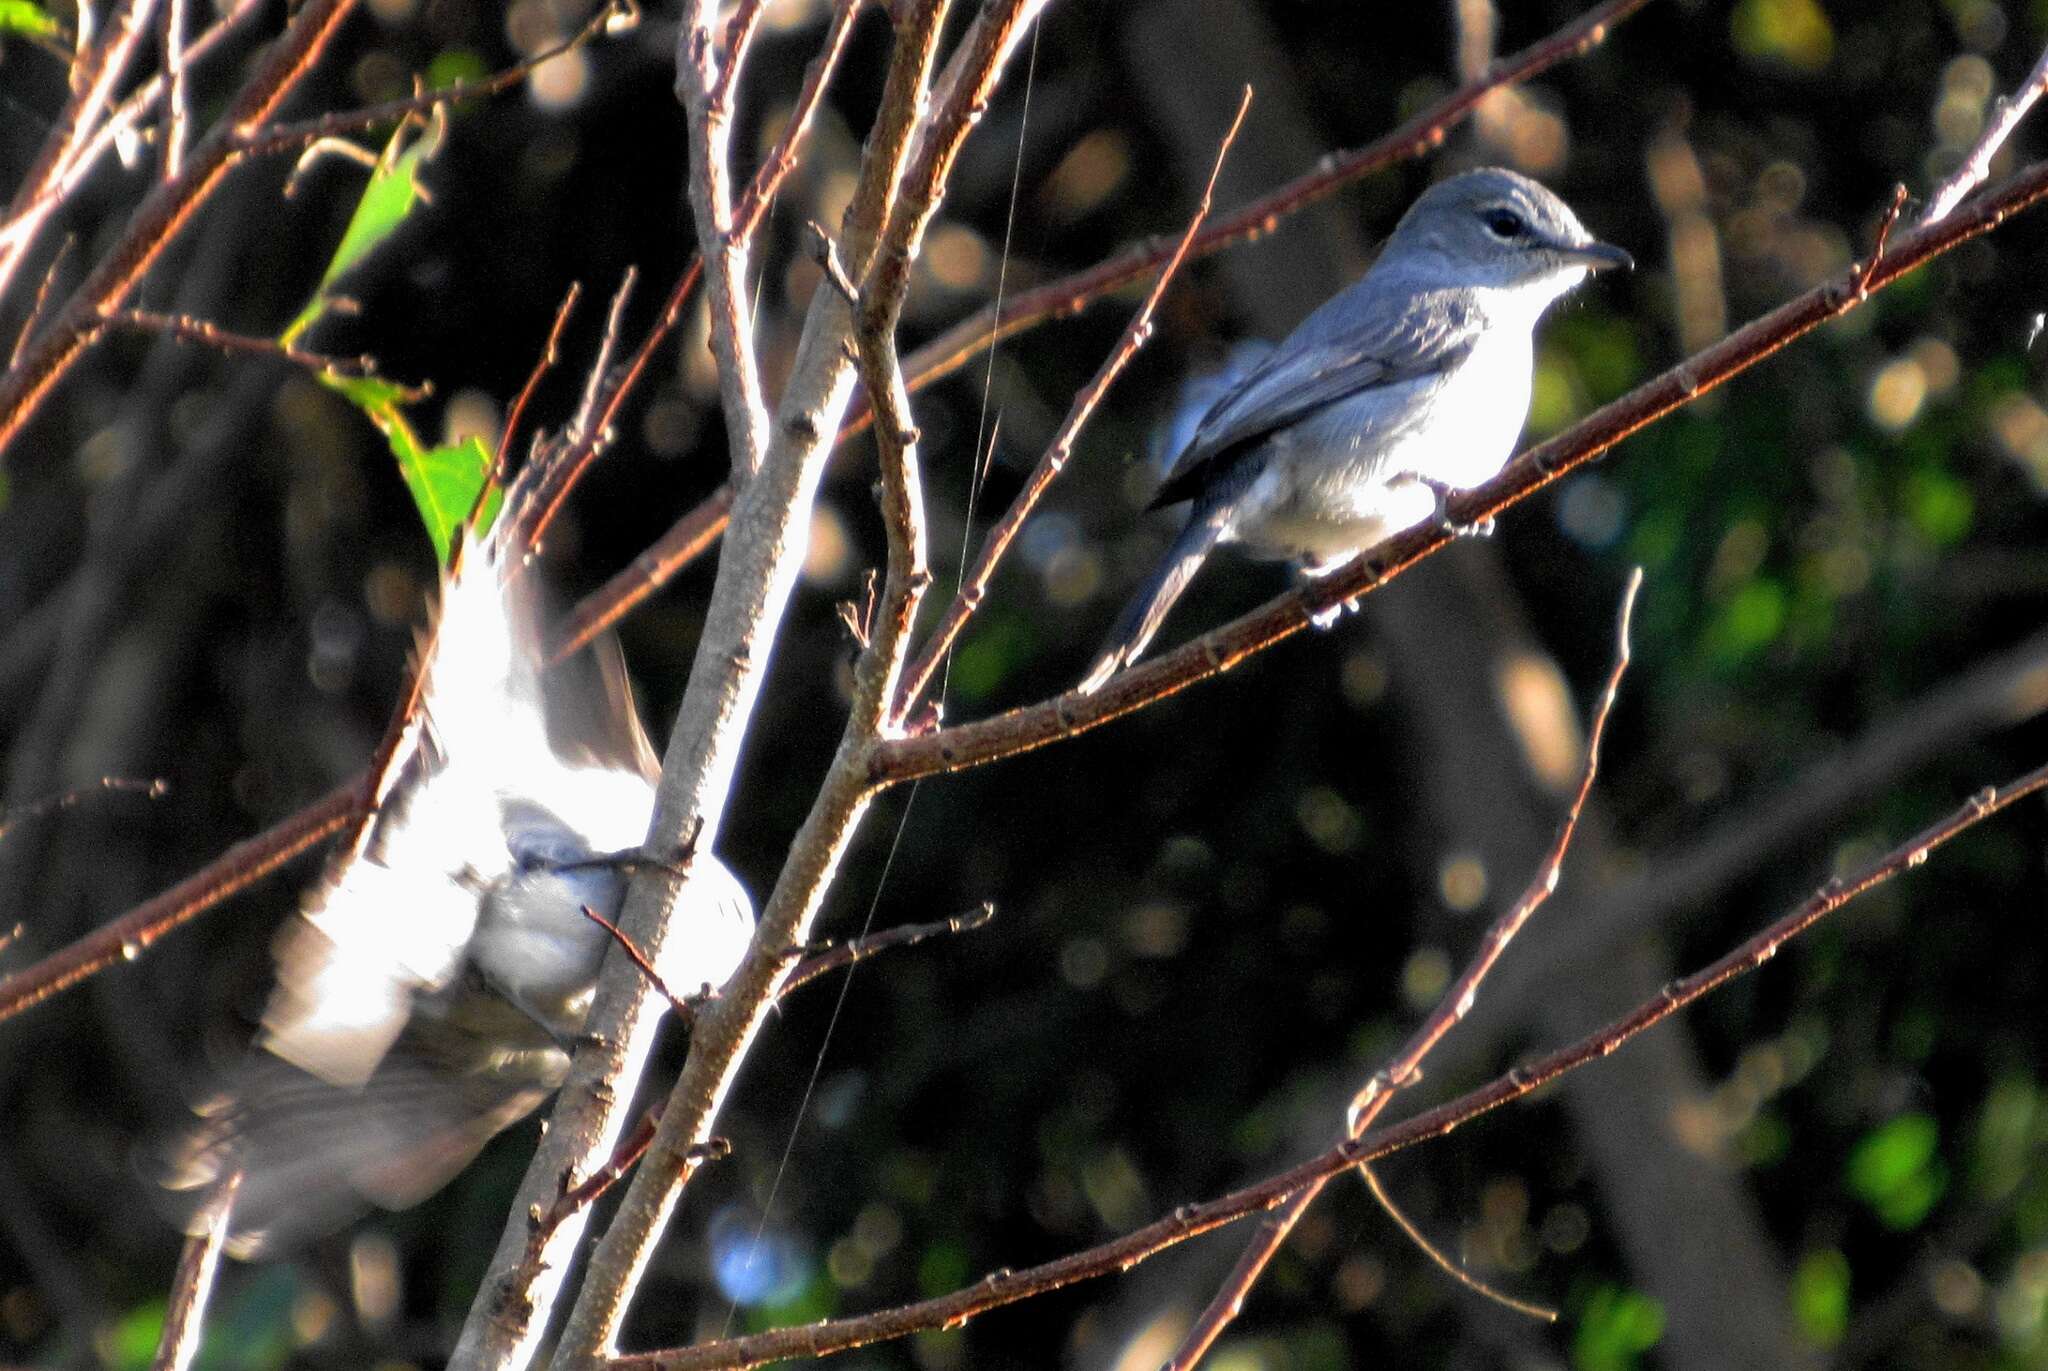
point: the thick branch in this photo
(756, 573)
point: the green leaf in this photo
(387, 200)
(444, 481)
(27, 18)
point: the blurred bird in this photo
(1410, 383)
(432, 987)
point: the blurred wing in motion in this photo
(429, 990)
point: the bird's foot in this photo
(1329, 617)
(1441, 516)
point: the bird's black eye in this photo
(1504, 223)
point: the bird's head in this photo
(1498, 230)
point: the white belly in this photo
(1346, 479)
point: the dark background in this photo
(1218, 915)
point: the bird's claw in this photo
(1440, 517)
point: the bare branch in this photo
(1136, 333)
(1004, 1287)
(756, 574)
(239, 867)
(706, 92)
(187, 329)
(1976, 164)
(860, 949)
(1033, 726)
(1404, 1067)
(171, 38)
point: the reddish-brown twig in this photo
(1054, 459)
(516, 415)
(188, 329)
(1004, 1287)
(239, 867)
(35, 309)
(1884, 237)
(10, 815)
(685, 1006)
(860, 949)
(258, 142)
(1403, 1068)
(1066, 716)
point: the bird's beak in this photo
(1598, 256)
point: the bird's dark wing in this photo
(1337, 352)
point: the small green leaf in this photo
(393, 190)
(27, 18)
(444, 481)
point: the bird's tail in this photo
(1148, 608)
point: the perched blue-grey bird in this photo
(1409, 383)
(432, 987)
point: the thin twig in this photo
(1976, 163)
(239, 867)
(261, 141)
(1884, 237)
(706, 94)
(515, 416)
(188, 329)
(685, 1006)
(1067, 716)
(781, 160)
(10, 815)
(975, 585)
(171, 38)
(185, 1307)
(1005, 1287)
(860, 949)
(583, 425)
(1403, 1068)
(35, 309)
(1441, 1260)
